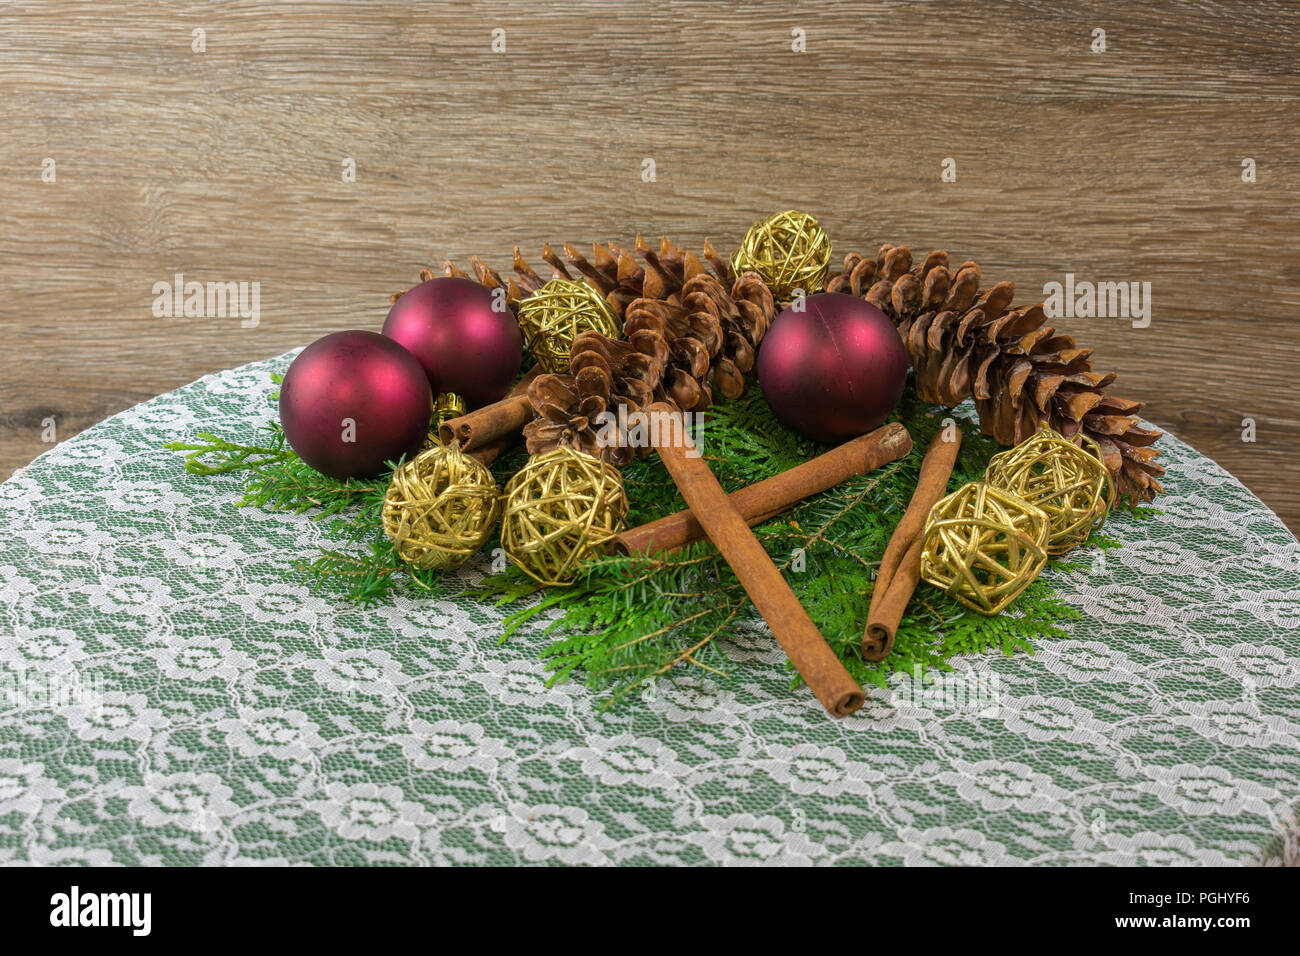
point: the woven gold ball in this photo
(984, 545)
(790, 251)
(560, 509)
(552, 317)
(440, 507)
(1070, 483)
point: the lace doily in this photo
(171, 696)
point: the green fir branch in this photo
(365, 577)
(633, 619)
(213, 455)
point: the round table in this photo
(174, 694)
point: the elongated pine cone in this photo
(966, 341)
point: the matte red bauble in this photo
(465, 345)
(352, 401)
(834, 370)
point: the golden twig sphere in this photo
(560, 509)
(440, 507)
(1070, 483)
(983, 546)
(553, 316)
(790, 251)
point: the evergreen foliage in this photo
(630, 620)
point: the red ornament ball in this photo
(834, 370)
(352, 401)
(466, 344)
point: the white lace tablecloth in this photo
(173, 693)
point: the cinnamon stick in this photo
(490, 452)
(494, 424)
(726, 527)
(768, 498)
(900, 568)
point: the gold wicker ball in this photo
(984, 545)
(560, 509)
(440, 507)
(790, 251)
(1070, 483)
(553, 316)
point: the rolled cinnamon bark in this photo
(490, 452)
(768, 498)
(900, 568)
(493, 424)
(790, 624)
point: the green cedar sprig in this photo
(631, 620)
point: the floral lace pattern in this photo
(171, 696)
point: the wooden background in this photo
(226, 165)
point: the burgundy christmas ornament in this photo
(465, 345)
(352, 401)
(834, 370)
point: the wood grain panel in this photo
(225, 165)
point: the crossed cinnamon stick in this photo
(900, 568)
(486, 432)
(766, 499)
(753, 567)
(726, 520)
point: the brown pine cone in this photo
(965, 341)
(613, 271)
(712, 335)
(682, 350)
(687, 336)
(605, 374)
